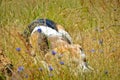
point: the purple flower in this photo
(53, 52)
(40, 69)
(50, 68)
(61, 62)
(92, 51)
(39, 30)
(18, 49)
(20, 69)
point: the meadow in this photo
(94, 24)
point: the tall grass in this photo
(93, 24)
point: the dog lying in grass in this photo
(57, 46)
(49, 24)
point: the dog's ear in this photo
(59, 27)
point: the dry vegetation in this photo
(94, 24)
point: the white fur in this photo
(51, 32)
(47, 31)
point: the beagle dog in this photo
(58, 40)
(63, 51)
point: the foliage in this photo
(94, 24)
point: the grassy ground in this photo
(94, 24)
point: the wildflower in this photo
(18, 49)
(61, 62)
(53, 52)
(92, 50)
(40, 69)
(39, 30)
(50, 68)
(20, 69)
